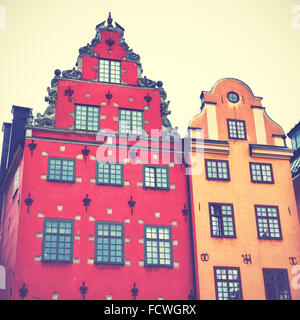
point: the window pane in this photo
(131, 121)
(109, 244)
(222, 220)
(158, 246)
(268, 224)
(276, 284)
(109, 173)
(57, 240)
(87, 118)
(156, 177)
(228, 283)
(60, 169)
(236, 129)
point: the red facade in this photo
(135, 204)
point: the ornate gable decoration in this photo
(47, 119)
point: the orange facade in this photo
(247, 235)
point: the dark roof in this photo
(295, 164)
(293, 130)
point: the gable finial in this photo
(109, 21)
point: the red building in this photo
(94, 198)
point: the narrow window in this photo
(109, 243)
(110, 71)
(217, 170)
(228, 283)
(109, 173)
(87, 118)
(131, 121)
(222, 220)
(261, 172)
(268, 222)
(58, 240)
(156, 177)
(16, 181)
(158, 246)
(276, 284)
(60, 169)
(236, 129)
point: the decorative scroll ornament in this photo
(145, 82)
(86, 51)
(72, 74)
(132, 56)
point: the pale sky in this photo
(188, 45)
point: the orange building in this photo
(246, 228)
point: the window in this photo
(60, 169)
(110, 71)
(228, 283)
(222, 220)
(58, 240)
(109, 173)
(87, 118)
(268, 223)
(236, 129)
(233, 97)
(156, 177)
(276, 284)
(217, 170)
(261, 172)
(131, 121)
(296, 140)
(109, 243)
(158, 246)
(16, 181)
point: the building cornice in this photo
(270, 152)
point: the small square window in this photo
(156, 177)
(131, 121)
(236, 129)
(60, 169)
(217, 170)
(109, 173)
(261, 172)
